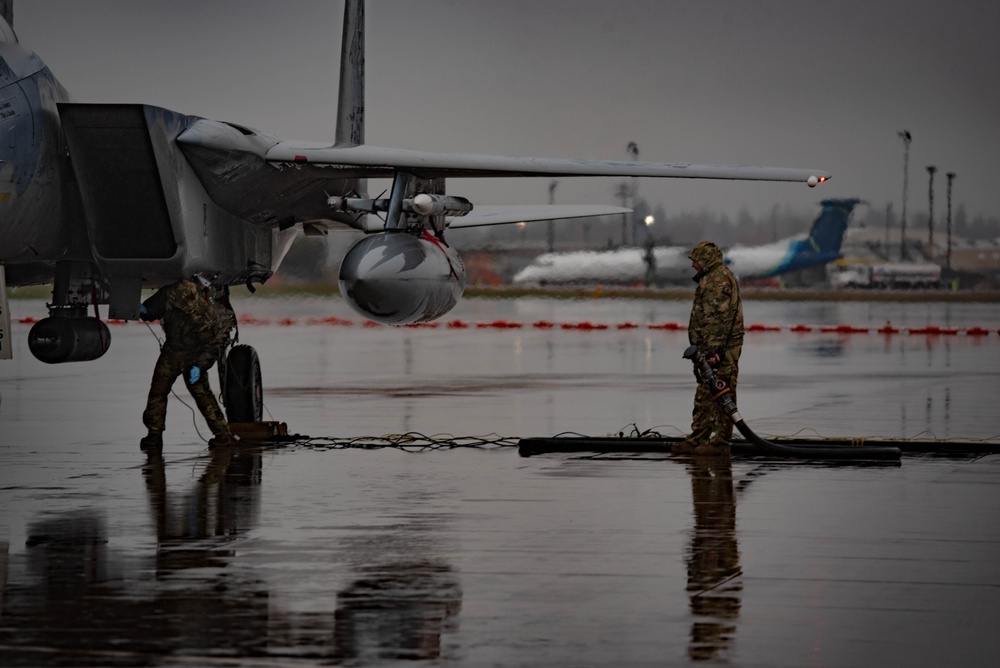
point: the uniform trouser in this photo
(709, 423)
(170, 365)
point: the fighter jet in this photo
(104, 200)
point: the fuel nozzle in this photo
(703, 371)
(705, 374)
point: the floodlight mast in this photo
(907, 138)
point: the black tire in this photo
(244, 391)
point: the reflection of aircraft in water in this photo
(223, 504)
(671, 265)
(80, 596)
(104, 200)
(399, 610)
(714, 574)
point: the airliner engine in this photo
(400, 278)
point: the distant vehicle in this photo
(671, 264)
(899, 275)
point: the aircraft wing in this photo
(268, 181)
(376, 162)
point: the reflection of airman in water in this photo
(713, 562)
(400, 605)
(202, 601)
(224, 501)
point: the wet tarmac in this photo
(313, 554)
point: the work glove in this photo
(194, 375)
(143, 312)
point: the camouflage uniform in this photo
(193, 339)
(716, 327)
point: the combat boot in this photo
(712, 450)
(151, 442)
(685, 447)
(222, 440)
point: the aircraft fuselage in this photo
(36, 215)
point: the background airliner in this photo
(671, 264)
(103, 200)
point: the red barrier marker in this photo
(590, 326)
(337, 322)
(844, 329)
(586, 326)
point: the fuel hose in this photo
(724, 398)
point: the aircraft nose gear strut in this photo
(704, 373)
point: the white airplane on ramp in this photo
(671, 264)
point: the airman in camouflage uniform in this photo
(716, 327)
(192, 346)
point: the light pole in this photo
(551, 228)
(951, 177)
(888, 220)
(930, 220)
(907, 138)
(633, 150)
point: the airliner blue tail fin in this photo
(827, 231)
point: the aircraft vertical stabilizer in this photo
(827, 232)
(351, 97)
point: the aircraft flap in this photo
(499, 215)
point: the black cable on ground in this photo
(408, 442)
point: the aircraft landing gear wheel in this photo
(244, 391)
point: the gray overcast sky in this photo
(822, 85)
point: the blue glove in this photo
(194, 375)
(142, 309)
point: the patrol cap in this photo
(701, 249)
